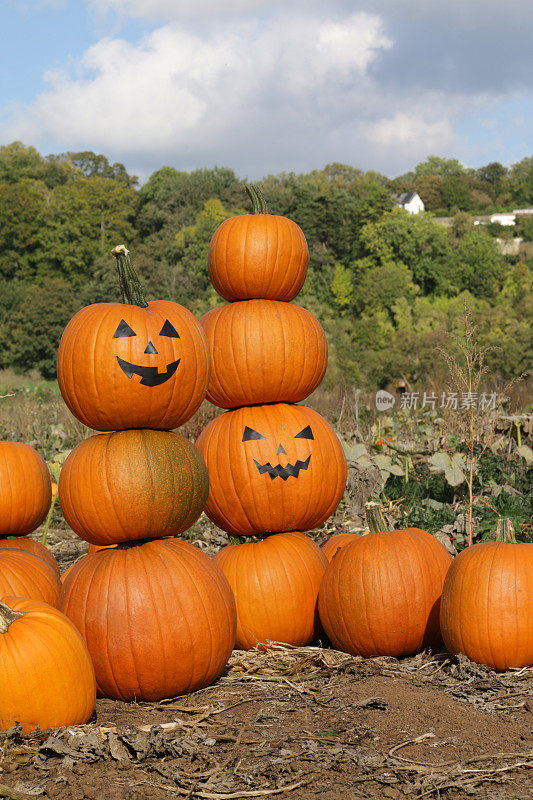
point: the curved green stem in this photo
(130, 285)
(256, 196)
(375, 519)
(505, 531)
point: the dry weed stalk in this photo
(477, 424)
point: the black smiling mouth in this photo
(150, 376)
(283, 472)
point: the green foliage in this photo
(384, 283)
(31, 333)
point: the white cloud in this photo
(180, 94)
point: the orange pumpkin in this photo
(275, 583)
(272, 468)
(158, 618)
(487, 602)
(34, 547)
(331, 546)
(258, 255)
(134, 484)
(46, 674)
(380, 596)
(133, 364)
(25, 489)
(263, 351)
(23, 574)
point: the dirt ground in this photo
(301, 723)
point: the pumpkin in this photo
(263, 351)
(272, 468)
(25, 489)
(487, 602)
(133, 364)
(258, 255)
(46, 674)
(134, 484)
(331, 546)
(380, 596)
(158, 618)
(23, 574)
(275, 583)
(34, 547)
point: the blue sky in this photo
(264, 87)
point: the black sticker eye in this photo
(307, 433)
(249, 433)
(123, 329)
(168, 329)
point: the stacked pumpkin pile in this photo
(34, 636)
(157, 614)
(276, 467)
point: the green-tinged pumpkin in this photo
(258, 255)
(134, 364)
(158, 618)
(272, 468)
(263, 351)
(380, 595)
(46, 674)
(25, 489)
(275, 583)
(134, 484)
(487, 602)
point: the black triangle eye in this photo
(123, 329)
(307, 433)
(168, 329)
(249, 433)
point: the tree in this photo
(82, 221)
(22, 207)
(93, 165)
(415, 241)
(445, 167)
(33, 331)
(521, 182)
(455, 193)
(342, 286)
(494, 175)
(479, 264)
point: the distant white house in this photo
(504, 219)
(411, 201)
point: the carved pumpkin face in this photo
(276, 467)
(122, 366)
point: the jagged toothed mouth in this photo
(291, 470)
(150, 376)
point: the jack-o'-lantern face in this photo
(122, 366)
(248, 448)
(149, 374)
(279, 470)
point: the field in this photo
(313, 722)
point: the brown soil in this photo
(304, 723)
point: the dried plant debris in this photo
(300, 722)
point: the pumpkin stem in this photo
(256, 196)
(7, 616)
(375, 518)
(505, 530)
(130, 285)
